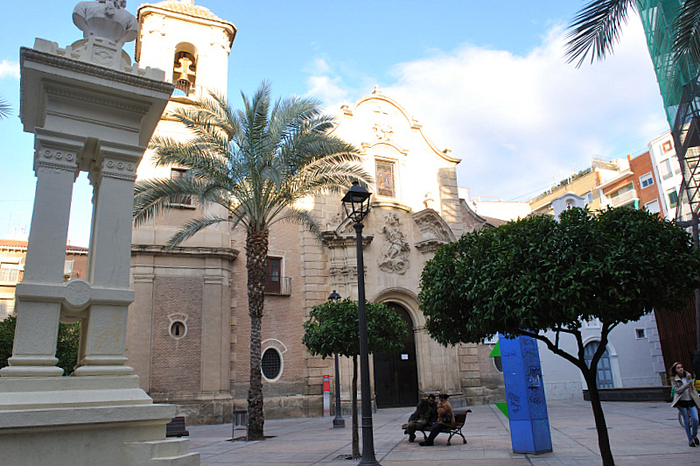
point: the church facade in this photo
(188, 329)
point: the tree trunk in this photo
(256, 257)
(601, 427)
(355, 428)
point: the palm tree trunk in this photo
(600, 425)
(355, 428)
(256, 257)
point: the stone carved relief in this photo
(334, 222)
(106, 27)
(383, 131)
(106, 19)
(395, 251)
(434, 230)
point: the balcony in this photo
(285, 288)
(624, 198)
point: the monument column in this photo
(38, 295)
(91, 110)
(104, 327)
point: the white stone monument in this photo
(90, 110)
(567, 201)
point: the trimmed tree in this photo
(538, 275)
(333, 327)
(257, 163)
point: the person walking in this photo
(445, 420)
(686, 399)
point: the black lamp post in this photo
(356, 204)
(338, 421)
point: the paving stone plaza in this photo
(641, 434)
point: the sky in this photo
(486, 79)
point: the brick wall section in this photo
(175, 363)
(640, 166)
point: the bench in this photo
(176, 428)
(460, 415)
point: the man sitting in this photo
(422, 418)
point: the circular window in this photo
(271, 364)
(178, 329)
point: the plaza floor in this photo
(641, 434)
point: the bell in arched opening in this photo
(184, 71)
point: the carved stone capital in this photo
(117, 161)
(57, 151)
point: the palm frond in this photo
(153, 197)
(191, 228)
(596, 29)
(4, 109)
(686, 42)
(303, 217)
(258, 162)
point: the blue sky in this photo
(486, 79)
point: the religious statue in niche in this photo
(394, 257)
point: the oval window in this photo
(178, 329)
(271, 364)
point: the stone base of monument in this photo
(108, 421)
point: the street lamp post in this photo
(356, 204)
(338, 421)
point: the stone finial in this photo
(106, 19)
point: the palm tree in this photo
(596, 29)
(257, 163)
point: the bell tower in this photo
(181, 314)
(189, 42)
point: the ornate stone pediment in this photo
(434, 229)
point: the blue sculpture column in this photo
(527, 407)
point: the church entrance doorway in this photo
(396, 375)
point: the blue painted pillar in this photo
(527, 407)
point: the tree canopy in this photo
(536, 275)
(333, 327)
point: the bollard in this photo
(326, 396)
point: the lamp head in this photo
(334, 297)
(356, 202)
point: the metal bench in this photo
(176, 428)
(460, 415)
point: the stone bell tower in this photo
(179, 331)
(192, 45)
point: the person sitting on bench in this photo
(423, 417)
(445, 420)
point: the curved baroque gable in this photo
(434, 229)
